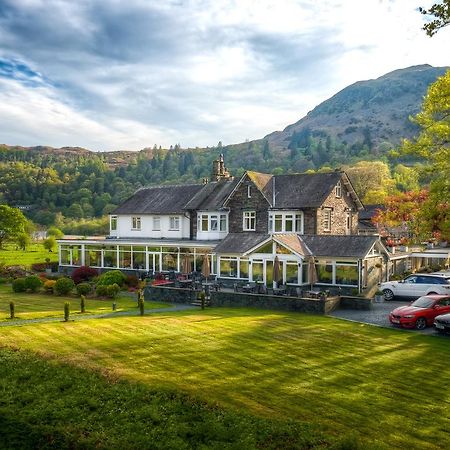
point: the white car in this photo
(416, 285)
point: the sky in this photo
(124, 75)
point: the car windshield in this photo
(423, 302)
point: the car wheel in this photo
(388, 294)
(432, 293)
(421, 323)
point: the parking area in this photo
(378, 315)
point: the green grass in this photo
(35, 253)
(38, 306)
(67, 408)
(389, 387)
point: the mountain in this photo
(372, 113)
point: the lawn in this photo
(387, 386)
(37, 306)
(35, 253)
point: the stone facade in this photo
(340, 207)
(240, 202)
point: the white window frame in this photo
(326, 219)
(296, 217)
(338, 190)
(136, 223)
(249, 191)
(207, 220)
(174, 223)
(156, 223)
(249, 221)
(113, 220)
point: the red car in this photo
(421, 312)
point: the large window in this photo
(291, 272)
(337, 272)
(346, 273)
(212, 222)
(174, 223)
(249, 221)
(228, 267)
(325, 272)
(286, 222)
(113, 223)
(135, 223)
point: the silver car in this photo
(416, 285)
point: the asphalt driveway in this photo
(378, 315)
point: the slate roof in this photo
(240, 242)
(369, 211)
(304, 190)
(211, 196)
(339, 246)
(159, 200)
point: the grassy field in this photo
(388, 386)
(37, 306)
(35, 253)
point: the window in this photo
(286, 222)
(113, 223)
(212, 222)
(156, 223)
(348, 222)
(249, 221)
(338, 190)
(135, 223)
(223, 222)
(174, 223)
(326, 219)
(249, 191)
(228, 267)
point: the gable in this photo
(257, 181)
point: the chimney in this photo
(220, 172)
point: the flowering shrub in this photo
(49, 285)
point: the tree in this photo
(441, 14)
(50, 243)
(432, 147)
(23, 240)
(12, 223)
(56, 232)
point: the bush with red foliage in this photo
(83, 273)
(132, 281)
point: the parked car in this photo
(442, 323)
(421, 312)
(416, 285)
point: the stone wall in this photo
(339, 213)
(310, 221)
(240, 203)
(234, 299)
(360, 303)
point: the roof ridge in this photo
(156, 186)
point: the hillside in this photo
(373, 114)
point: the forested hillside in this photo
(57, 185)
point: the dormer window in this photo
(136, 223)
(338, 190)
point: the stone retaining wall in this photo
(359, 303)
(233, 299)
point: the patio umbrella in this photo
(312, 272)
(276, 270)
(186, 265)
(205, 266)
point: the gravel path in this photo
(78, 317)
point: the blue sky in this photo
(110, 74)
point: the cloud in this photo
(111, 75)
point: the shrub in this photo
(112, 290)
(66, 310)
(132, 281)
(63, 286)
(82, 303)
(83, 273)
(12, 310)
(3, 280)
(111, 277)
(49, 285)
(141, 305)
(83, 289)
(18, 285)
(101, 291)
(33, 283)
